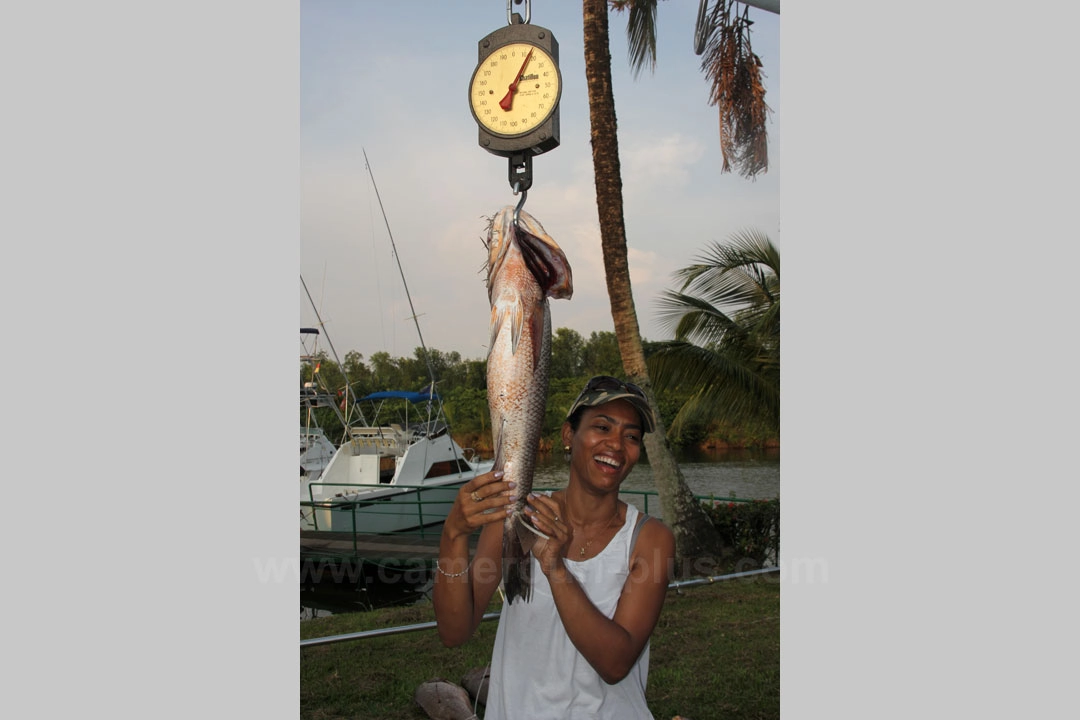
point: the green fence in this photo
(420, 510)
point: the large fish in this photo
(525, 267)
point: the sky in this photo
(390, 79)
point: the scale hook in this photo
(510, 12)
(521, 203)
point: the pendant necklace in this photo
(585, 547)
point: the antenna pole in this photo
(341, 367)
(427, 358)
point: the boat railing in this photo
(377, 431)
(369, 443)
(419, 512)
(423, 511)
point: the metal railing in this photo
(403, 507)
(420, 523)
(379, 632)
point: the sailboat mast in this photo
(348, 387)
(416, 321)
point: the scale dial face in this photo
(514, 89)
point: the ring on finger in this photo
(556, 518)
(475, 497)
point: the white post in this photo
(772, 6)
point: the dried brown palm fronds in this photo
(735, 72)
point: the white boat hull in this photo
(380, 511)
(385, 480)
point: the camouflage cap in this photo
(604, 388)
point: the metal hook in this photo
(520, 175)
(521, 202)
(510, 12)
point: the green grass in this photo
(715, 654)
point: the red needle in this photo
(507, 101)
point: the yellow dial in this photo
(514, 89)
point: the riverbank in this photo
(715, 654)
(482, 444)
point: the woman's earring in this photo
(566, 452)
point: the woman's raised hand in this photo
(483, 500)
(547, 514)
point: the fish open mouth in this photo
(542, 255)
(546, 266)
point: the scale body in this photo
(515, 90)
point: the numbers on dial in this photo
(515, 89)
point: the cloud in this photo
(660, 164)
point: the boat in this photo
(390, 477)
(316, 449)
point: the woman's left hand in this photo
(548, 515)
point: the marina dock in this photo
(399, 548)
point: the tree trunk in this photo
(695, 536)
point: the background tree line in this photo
(462, 385)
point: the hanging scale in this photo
(514, 94)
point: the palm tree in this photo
(695, 535)
(731, 66)
(730, 361)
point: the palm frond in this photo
(726, 325)
(729, 387)
(640, 33)
(693, 318)
(744, 272)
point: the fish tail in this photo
(517, 568)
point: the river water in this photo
(739, 473)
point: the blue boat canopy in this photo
(414, 397)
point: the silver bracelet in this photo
(458, 574)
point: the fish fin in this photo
(527, 535)
(496, 436)
(501, 313)
(517, 565)
(517, 322)
(537, 330)
(497, 314)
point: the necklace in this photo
(585, 547)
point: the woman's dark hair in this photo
(575, 418)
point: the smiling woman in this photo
(580, 643)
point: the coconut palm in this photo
(725, 318)
(694, 533)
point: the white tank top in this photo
(537, 673)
